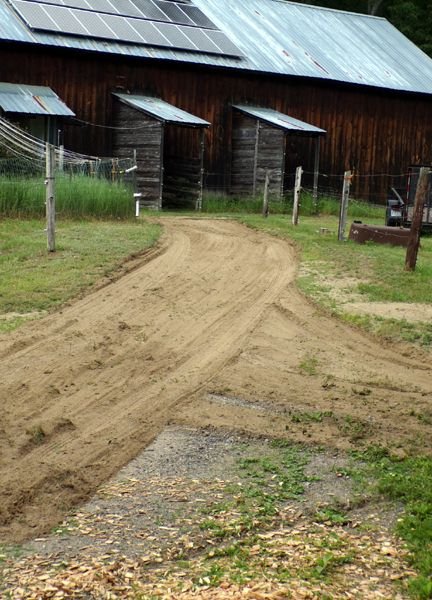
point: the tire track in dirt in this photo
(85, 389)
(214, 310)
(321, 382)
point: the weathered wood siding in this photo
(257, 148)
(376, 131)
(182, 168)
(181, 182)
(137, 131)
(271, 159)
(243, 151)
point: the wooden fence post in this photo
(316, 175)
(343, 213)
(297, 188)
(417, 219)
(50, 196)
(265, 211)
(198, 205)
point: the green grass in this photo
(327, 205)
(408, 481)
(247, 507)
(267, 482)
(76, 197)
(373, 272)
(34, 280)
(309, 365)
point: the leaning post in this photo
(343, 212)
(50, 196)
(297, 188)
(417, 219)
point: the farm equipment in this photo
(400, 206)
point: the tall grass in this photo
(221, 203)
(76, 197)
(327, 205)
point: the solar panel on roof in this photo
(173, 12)
(66, 20)
(168, 23)
(150, 33)
(127, 8)
(223, 42)
(96, 24)
(35, 16)
(123, 28)
(198, 17)
(149, 10)
(58, 2)
(176, 35)
(202, 41)
(103, 6)
(75, 4)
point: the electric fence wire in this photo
(32, 151)
(18, 138)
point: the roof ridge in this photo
(327, 8)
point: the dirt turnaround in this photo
(209, 331)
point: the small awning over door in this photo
(161, 110)
(32, 100)
(278, 119)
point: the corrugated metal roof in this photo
(280, 120)
(32, 100)
(161, 110)
(278, 37)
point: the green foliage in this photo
(33, 280)
(76, 197)
(414, 19)
(331, 516)
(326, 564)
(267, 482)
(217, 203)
(408, 481)
(327, 205)
(309, 365)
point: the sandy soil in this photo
(210, 330)
(414, 312)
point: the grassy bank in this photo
(33, 280)
(333, 273)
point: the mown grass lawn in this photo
(34, 280)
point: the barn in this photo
(354, 77)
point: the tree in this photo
(374, 6)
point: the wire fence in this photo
(85, 185)
(23, 167)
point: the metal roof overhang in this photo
(161, 110)
(32, 100)
(278, 119)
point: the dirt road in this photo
(210, 330)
